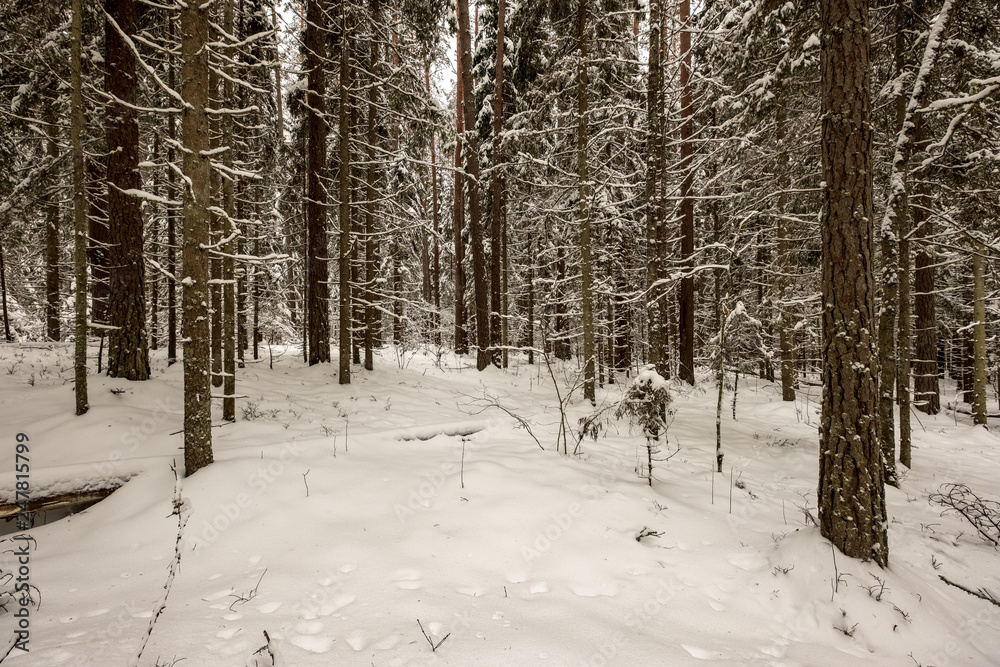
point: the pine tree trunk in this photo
(497, 191)
(317, 251)
(197, 199)
(435, 277)
(903, 343)
(3, 297)
(79, 214)
(171, 216)
(685, 303)
(52, 207)
(228, 265)
(786, 331)
(344, 373)
(926, 394)
(371, 247)
(655, 234)
(461, 332)
(127, 354)
(851, 493)
(978, 333)
(586, 283)
(472, 185)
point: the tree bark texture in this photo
(851, 494)
(317, 308)
(479, 277)
(197, 199)
(127, 352)
(79, 212)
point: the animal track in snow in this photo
(408, 579)
(312, 643)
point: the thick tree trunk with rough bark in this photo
(851, 493)
(472, 185)
(127, 353)
(197, 199)
(317, 251)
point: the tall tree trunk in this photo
(127, 354)
(3, 297)
(435, 225)
(655, 250)
(79, 213)
(498, 192)
(586, 282)
(685, 303)
(472, 184)
(197, 199)
(317, 251)
(851, 494)
(927, 397)
(344, 375)
(903, 341)
(52, 306)
(978, 333)
(371, 242)
(786, 331)
(228, 266)
(461, 332)
(890, 302)
(171, 216)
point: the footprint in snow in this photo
(349, 567)
(358, 640)
(212, 597)
(474, 591)
(268, 607)
(309, 628)
(97, 612)
(699, 653)
(408, 579)
(228, 633)
(539, 587)
(338, 602)
(312, 643)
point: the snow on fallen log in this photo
(65, 486)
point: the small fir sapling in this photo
(739, 338)
(645, 403)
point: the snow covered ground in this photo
(336, 517)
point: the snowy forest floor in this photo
(334, 517)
